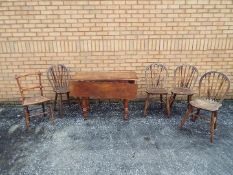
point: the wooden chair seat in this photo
(61, 90)
(35, 100)
(206, 104)
(157, 91)
(182, 91)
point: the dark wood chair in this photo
(25, 90)
(213, 87)
(59, 76)
(185, 77)
(156, 76)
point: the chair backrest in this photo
(35, 76)
(214, 86)
(156, 76)
(58, 76)
(185, 76)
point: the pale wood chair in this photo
(59, 76)
(213, 87)
(185, 77)
(33, 100)
(156, 77)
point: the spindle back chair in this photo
(156, 77)
(185, 77)
(59, 76)
(32, 100)
(213, 86)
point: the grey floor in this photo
(105, 144)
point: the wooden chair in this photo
(213, 87)
(156, 76)
(36, 99)
(185, 77)
(59, 76)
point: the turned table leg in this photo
(126, 109)
(85, 107)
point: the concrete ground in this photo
(105, 144)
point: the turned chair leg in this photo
(189, 98)
(172, 99)
(189, 110)
(146, 104)
(51, 114)
(216, 117)
(43, 107)
(168, 106)
(161, 101)
(212, 124)
(55, 101)
(194, 118)
(61, 106)
(27, 116)
(68, 97)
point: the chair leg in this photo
(189, 110)
(212, 122)
(61, 106)
(27, 116)
(168, 106)
(51, 112)
(172, 99)
(216, 117)
(43, 107)
(195, 117)
(68, 97)
(55, 101)
(161, 101)
(189, 98)
(146, 104)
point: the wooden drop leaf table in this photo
(103, 85)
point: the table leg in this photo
(88, 104)
(85, 107)
(126, 109)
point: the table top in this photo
(94, 76)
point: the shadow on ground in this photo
(105, 144)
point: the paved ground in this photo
(105, 144)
